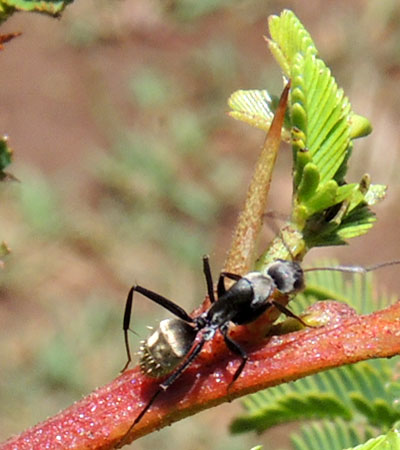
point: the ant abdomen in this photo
(166, 347)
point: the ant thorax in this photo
(165, 348)
(262, 286)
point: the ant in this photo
(170, 349)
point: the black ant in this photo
(170, 348)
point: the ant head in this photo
(288, 276)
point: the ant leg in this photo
(232, 276)
(234, 347)
(209, 280)
(221, 290)
(126, 325)
(165, 385)
(164, 302)
(159, 299)
(288, 313)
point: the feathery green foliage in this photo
(7, 8)
(5, 160)
(390, 440)
(52, 7)
(5, 156)
(320, 126)
(339, 435)
(364, 389)
(326, 284)
(257, 109)
(330, 435)
(354, 402)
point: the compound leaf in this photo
(256, 108)
(51, 7)
(330, 435)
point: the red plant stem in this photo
(101, 419)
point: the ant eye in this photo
(287, 275)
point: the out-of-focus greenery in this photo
(160, 188)
(51, 7)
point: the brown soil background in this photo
(82, 230)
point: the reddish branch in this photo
(101, 419)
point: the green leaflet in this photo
(52, 7)
(321, 126)
(357, 292)
(320, 116)
(5, 159)
(388, 441)
(345, 393)
(4, 251)
(257, 109)
(287, 408)
(320, 111)
(330, 435)
(288, 38)
(5, 153)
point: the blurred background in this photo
(130, 171)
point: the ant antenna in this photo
(355, 269)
